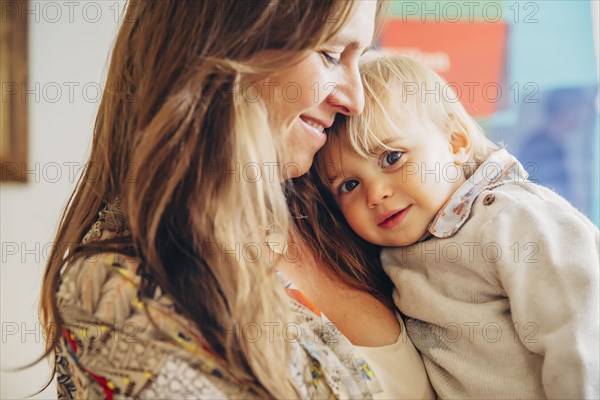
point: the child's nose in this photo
(377, 193)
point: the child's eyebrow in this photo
(380, 145)
(332, 179)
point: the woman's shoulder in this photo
(100, 286)
(112, 342)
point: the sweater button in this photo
(489, 199)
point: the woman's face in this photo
(307, 96)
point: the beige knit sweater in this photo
(506, 307)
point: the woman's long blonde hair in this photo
(170, 130)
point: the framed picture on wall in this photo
(13, 82)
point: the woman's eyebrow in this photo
(353, 45)
(349, 42)
(348, 45)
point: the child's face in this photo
(391, 198)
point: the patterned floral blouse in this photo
(110, 349)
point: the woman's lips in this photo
(318, 126)
(317, 129)
(395, 218)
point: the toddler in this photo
(496, 276)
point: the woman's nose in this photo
(348, 95)
(377, 193)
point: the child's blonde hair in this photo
(398, 89)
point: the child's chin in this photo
(409, 241)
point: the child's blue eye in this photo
(348, 186)
(330, 59)
(390, 158)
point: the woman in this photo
(208, 106)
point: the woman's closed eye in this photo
(390, 158)
(331, 57)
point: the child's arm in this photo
(549, 270)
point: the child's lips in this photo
(393, 218)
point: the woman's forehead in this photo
(359, 30)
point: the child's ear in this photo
(460, 145)
(460, 142)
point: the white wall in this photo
(69, 47)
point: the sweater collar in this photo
(498, 169)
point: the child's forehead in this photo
(337, 156)
(377, 133)
(329, 162)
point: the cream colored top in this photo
(518, 322)
(398, 370)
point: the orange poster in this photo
(468, 55)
